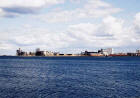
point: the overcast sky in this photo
(69, 25)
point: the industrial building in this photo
(102, 52)
(106, 52)
(19, 52)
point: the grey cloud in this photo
(21, 10)
(12, 12)
(15, 8)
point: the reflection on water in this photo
(69, 77)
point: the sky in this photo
(69, 26)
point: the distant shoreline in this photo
(64, 56)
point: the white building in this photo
(107, 51)
(48, 53)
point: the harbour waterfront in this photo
(69, 77)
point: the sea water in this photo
(69, 77)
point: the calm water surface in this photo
(69, 77)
